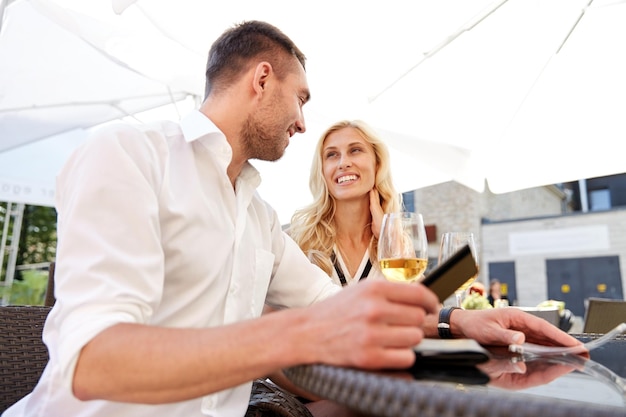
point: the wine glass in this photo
(403, 247)
(451, 242)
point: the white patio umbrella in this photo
(57, 74)
(534, 91)
(56, 81)
(456, 115)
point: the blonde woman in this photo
(352, 189)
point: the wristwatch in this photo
(443, 328)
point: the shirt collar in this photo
(196, 125)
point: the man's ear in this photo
(262, 73)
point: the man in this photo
(166, 256)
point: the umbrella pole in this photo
(584, 202)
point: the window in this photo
(600, 199)
(408, 201)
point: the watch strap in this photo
(443, 328)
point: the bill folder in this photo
(450, 360)
(460, 352)
(452, 273)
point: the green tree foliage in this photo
(38, 239)
(37, 245)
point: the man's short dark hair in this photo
(232, 51)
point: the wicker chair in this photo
(23, 357)
(603, 314)
(269, 400)
(22, 352)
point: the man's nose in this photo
(300, 125)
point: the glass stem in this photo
(459, 298)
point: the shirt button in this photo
(208, 402)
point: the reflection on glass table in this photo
(568, 377)
(587, 385)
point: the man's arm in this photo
(146, 364)
(372, 325)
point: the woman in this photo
(352, 189)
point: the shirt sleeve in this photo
(110, 262)
(296, 281)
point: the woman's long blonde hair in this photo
(313, 227)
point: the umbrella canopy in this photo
(535, 91)
(57, 80)
(464, 90)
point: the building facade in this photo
(537, 241)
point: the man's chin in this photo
(271, 157)
(280, 152)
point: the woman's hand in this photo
(377, 212)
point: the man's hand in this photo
(520, 375)
(372, 325)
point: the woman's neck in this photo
(353, 220)
(353, 233)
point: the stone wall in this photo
(451, 206)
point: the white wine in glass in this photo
(403, 247)
(451, 242)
